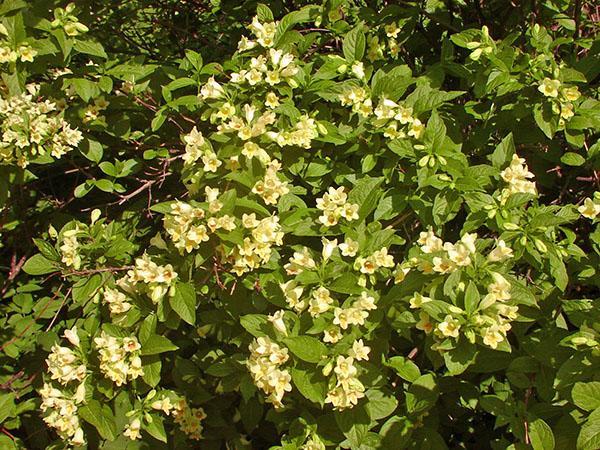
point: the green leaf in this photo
(310, 384)
(365, 194)
(152, 367)
(471, 298)
(101, 417)
(156, 428)
(183, 302)
(587, 395)
(572, 159)
(264, 13)
(47, 250)
(255, 324)
(589, 436)
(156, 344)
(7, 405)
(306, 348)
(354, 44)
(422, 394)
(541, 435)
(404, 367)
(90, 48)
(39, 265)
(460, 358)
(544, 119)
(503, 153)
(380, 404)
(92, 150)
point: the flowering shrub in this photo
(359, 225)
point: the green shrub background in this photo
(292, 225)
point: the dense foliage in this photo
(348, 224)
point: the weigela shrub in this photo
(364, 226)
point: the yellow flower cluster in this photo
(92, 112)
(562, 97)
(31, 127)
(491, 322)
(189, 419)
(60, 406)
(133, 429)
(157, 280)
(256, 249)
(271, 188)
(304, 131)
(23, 51)
(264, 363)
(119, 357)
(353, 315)
(314, 443)
(591, 207)
(358, 98)
(376, 48)
(116, 301)
(374, 262)
(517, 175)
(64, 364)
(334, 205)
(448, 256)
(397, 120)
(264, 32)
(348, 389)
(60, 412)
(272, 69)
(69, 249)
(183, 223)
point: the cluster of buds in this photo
(264, 363)
(484, 46)
(119, 358)
(517, 175)
(65, 19)
(156, 280)
(334, 205)
(32, 128)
